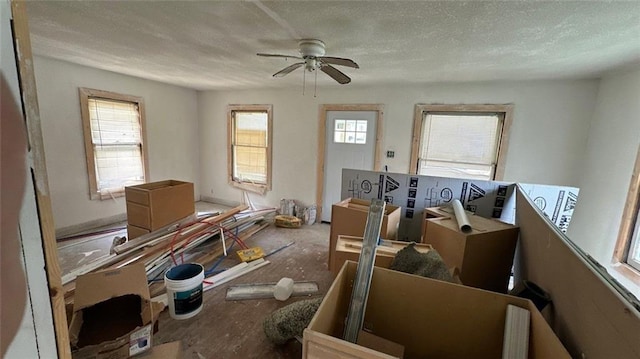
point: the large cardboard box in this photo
(112, 314)
(349, 217)
(484, 255)
(348, 248)
(154, 205)
(430, 318)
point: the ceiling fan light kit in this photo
(312, 53)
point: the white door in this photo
(349, 143)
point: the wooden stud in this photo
(32, 117)
(322, 122)
(629, 218)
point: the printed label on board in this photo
(140, 340)
(187, 301)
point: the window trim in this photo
(85, 95)
(253, 187)
(630, 216)
(503, 143)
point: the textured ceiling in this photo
(213, 44)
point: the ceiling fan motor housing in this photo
(311, 48)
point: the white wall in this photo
(172, 135)
(548, 135)
(611, 152)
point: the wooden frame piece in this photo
(629, 217)
(38, 171)
(322, 123)
(503, 142)
(257, 188)
(85, 95)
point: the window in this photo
(462, 141)
(627, 249)
(114, 141)
(350, 131)
(249, 152)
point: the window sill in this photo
(628, 276)
(251, 187)
(107, 195)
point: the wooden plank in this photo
(589, 316)
(32, 117)
(516, 333)
(629, 216)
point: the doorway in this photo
(349, 136)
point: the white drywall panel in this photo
(611, 152)
(171, 125)
(547, 140)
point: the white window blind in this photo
(250, 143)
(116, 135)
(459, 145)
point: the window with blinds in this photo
(115, 155)
(461, 145)
(250, 146)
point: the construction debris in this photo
(198, 239)
(430, 264)
(267, 290)
(288, 322)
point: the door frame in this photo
(322, 123)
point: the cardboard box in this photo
(349, 217)
(112, 314)
(135, 231)
(172, 350)
(154, 205)
(433, 212)
(349, 248)
(430, 318)
(484, 255)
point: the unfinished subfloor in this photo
(233, 329)
(228, 329)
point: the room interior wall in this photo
(610, 155)
(171, 127)
(547, 140)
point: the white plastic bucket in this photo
(184, 290)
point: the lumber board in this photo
(32, 116)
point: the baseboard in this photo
(221, 201)
(87, 226)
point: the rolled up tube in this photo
(461, 216)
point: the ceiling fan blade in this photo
(335, 74)
(339, 61)
(278, 55)
(288, 69)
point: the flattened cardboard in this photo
(349, 217)
(112, 314)
(344, 252)
(430, 318)
(172, 350)
(484, 255)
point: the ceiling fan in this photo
(312, 55)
